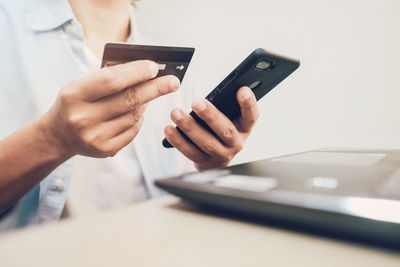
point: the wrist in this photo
(50, 139)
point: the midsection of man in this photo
(46, 49)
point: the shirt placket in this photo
(73, 34)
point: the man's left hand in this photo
(208, 151)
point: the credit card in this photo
(170, 60)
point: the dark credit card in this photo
(170, 60)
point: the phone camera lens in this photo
(263, 65)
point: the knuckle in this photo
(134, 130)
(134, 98)
(238, 147)
(228, 133)
(110, 150)
(209, 147)
(196, 157)
(204, 165)
(137, 117)
(126, 98)
(225, 158)
(253, 120)
(158, 87)
(65, 99)
(88, 139)
(67, 93)
(224, 163)
(208, 115)
(72, 86)
(185, 127)
(77, 120)
(177, 142)
(138, 124)
(104, 150)
(141, 109)
(91, 141)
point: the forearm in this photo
(26, 157)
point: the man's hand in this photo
(208, 151)
(99, 114)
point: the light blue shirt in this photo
(41, 49)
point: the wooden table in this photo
(167, 232)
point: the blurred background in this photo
(346, 92)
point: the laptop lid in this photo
(355, 192)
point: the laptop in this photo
(346, 193)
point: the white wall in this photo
(347, 90)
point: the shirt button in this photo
(59, 183)
(83, 68)
(64, 36)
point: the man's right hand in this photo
(99, 114)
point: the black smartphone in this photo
(261, 71)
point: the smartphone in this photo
(261, 71)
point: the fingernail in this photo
(154, 68)
(177, 114)
(199, 105)
(168, 130)
(174, 83)
(246, 94)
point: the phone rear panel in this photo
(261, 71)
